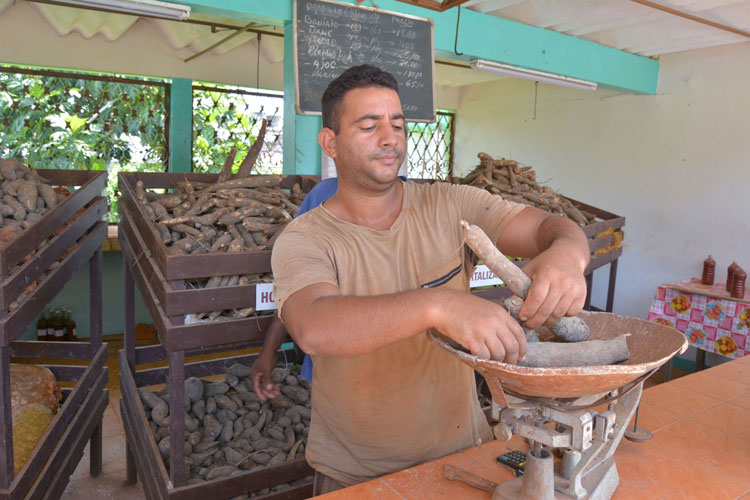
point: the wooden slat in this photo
(187, 337)
(177, 422)
(144, 469)
(150, 466)
(599, 243)
(153, 376)
(180, 302)
(66, 373)
(6, 421)
(599, 261)
(591, 230)
(130, 206)
(602, 214)
(16, 250)
(14, 324)
(50, 483)
(43, 349)
(49, 252)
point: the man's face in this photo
(371, 141)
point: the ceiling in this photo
(622, 24)
(629, 25)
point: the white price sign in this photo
(484, 277)
(264, 297)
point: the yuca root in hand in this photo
(569, 329)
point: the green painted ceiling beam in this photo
(487, 37)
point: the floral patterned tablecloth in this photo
(706, 314)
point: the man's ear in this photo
(327, 141)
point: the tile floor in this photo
(662, 409)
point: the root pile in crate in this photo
(238, 212)
(226, 314)
(228, 430)
(26, 198)
(518, 183)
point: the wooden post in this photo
(6, 421)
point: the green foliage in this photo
(225, 119)
(82, 124)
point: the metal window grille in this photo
(225, 117)
(54, 119)
(430, 147)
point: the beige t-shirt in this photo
(408, 402)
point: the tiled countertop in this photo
(700, 449)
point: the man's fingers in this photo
(498, 351)
(519, 336)
(534, 300)
(481, 351)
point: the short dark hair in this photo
(356, 77)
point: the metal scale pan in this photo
(650, 344)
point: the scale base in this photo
(600, 484)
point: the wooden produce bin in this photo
(62, 241)
(605, 238)
(160, 275)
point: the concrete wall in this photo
(674, 164)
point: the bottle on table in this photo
(709, 268)
(738, 283)
(58, 325)
(41, 327)
(70, 327)
(730, 275)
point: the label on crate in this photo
(59, 333)
(41, 333)
(264, 297)
(264, 291)
(484, 277)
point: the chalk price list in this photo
(334, 37)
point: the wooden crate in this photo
(47, 471)
(71, 234)
(160, 275)
(144, 456)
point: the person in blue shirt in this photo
(261, 370)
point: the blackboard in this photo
(330, 37)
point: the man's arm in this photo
(323, 322)
(559, 253)
(260, 373)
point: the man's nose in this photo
(388, 136)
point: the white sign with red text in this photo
(264, 291)
(264, 297)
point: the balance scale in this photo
(552, 409)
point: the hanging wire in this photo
(257, 66)
(455, 43)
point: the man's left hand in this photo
(558, 288)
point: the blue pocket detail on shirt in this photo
(444, 279)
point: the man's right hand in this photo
(483, 327)
(260, 374)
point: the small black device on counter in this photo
(515, 459)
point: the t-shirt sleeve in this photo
(489, 211)
(299, 261)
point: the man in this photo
(359, 279)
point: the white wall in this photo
(676, 165)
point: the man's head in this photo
(356, 77)
(364, 129)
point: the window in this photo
(224, 117)
(430, 147)
(76, 121)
